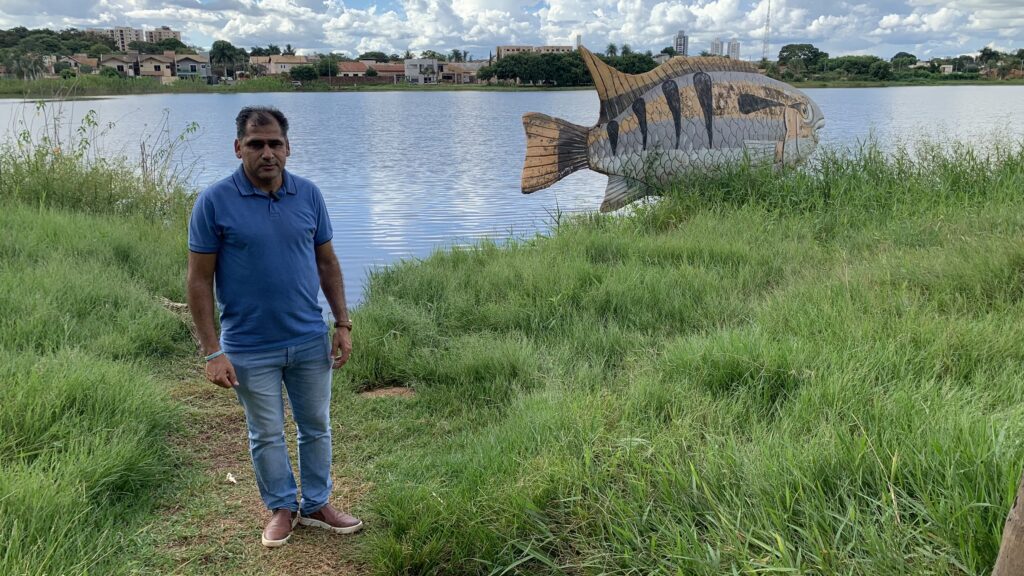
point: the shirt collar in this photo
(245, 187)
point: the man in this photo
(264, 235)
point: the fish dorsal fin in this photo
(617, 90)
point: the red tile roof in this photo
(351, 67)
(389, 68)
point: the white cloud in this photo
(839, 27)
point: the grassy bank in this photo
(810, 372)
(819, 372)
(86, 352)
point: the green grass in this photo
(810, 372)
(813, 371)
(86, 353)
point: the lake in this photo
(406, 173)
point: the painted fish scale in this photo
(687, 114)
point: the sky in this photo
(925, 28)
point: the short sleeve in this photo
(203, 232)
(324, 232)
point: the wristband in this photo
(343, 324)
(214, 355)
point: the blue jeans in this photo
(305, 370)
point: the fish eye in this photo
(806, 111)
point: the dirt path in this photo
(215, 526)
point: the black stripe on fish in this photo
(640, 109)
(702, 85)
(572, 151)
(750, 103)
(674, 101)
(613, 135)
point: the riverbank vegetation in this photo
(103, 85)
(813, 372)
(807, 371)
(90, 250)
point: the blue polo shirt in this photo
(266, 277)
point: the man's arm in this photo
(200, 303)
(333, 286)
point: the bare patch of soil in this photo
(392, 392)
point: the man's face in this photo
(263, 151)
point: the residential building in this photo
(193, 66)
(162, 33)
(579, 41)
(123, 63)
(510, 50)
(460, 72)
(351, 69)
(946, 69)
(682, 44)
(123, 36)
(421, 70)
(734, 49)
(78, 60)
(661, 58)
(157, 66)
(389, 70)
(716, 47)
(278, 64)
(553, 49)
(523, 49)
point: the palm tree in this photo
(221, 53)
(612, 50)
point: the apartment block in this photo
(734, 49)
(524, 49)
(682, 44)
(717, 48)
(162, 33)
(510, 50)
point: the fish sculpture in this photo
(688, 114)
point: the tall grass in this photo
(816, 371)
(88, 249)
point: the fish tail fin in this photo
(555, 148)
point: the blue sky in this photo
(925, 28)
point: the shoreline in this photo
(48, 89)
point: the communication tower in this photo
(767, 31)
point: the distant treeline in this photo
(804, 62)
(796, 63)
(565, 69)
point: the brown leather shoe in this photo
(279, 529)
(333, 520)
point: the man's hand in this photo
(341, 347)
(221, 372)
